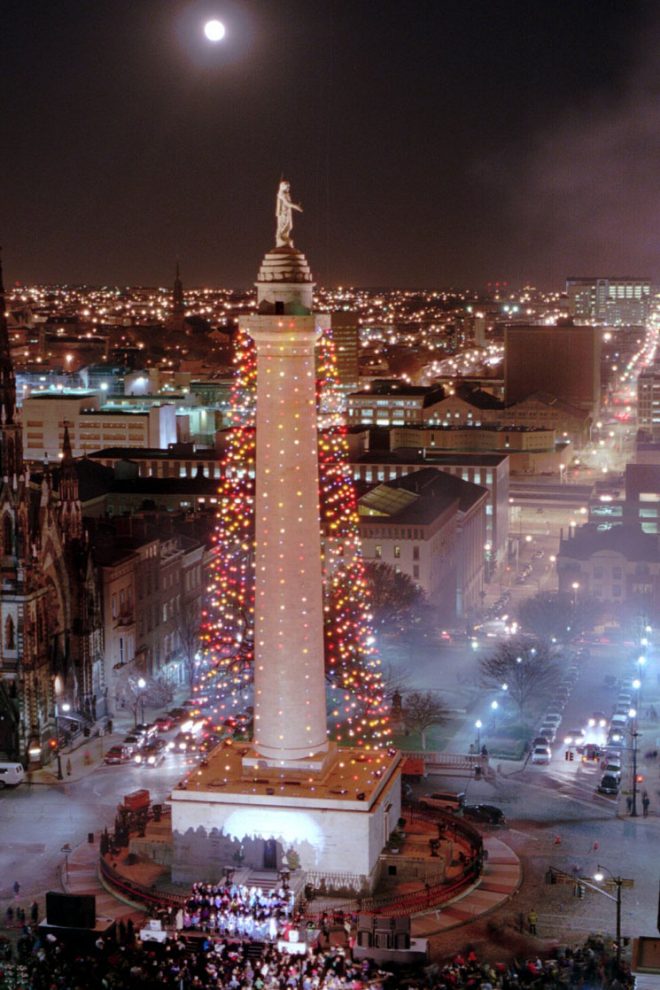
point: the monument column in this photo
(289, 677)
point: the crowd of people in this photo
(589, 966)
(217, 964)
(237, 910)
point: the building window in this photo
(616, 573)
(10, 637)
(378, 553)
(415, 553)
(397, 552)
(416, 571)
(616, 591)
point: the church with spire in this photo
(51, 652)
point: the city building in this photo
(563, 360)
(614, 300)
(489, 470)
(392, 402)
(91, 427)
(51, 651)
(531, 450)
(619, 564)
(152, 579)
(346, 337)
(648, 402)
(431, 526)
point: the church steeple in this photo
(11, 436)
(7, 380)
(70, 510)
(177, 294)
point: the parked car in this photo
(611, 757)
(541, 754)
(451, 801)
(549, 731)
(487, 814)
(619, 721)
(614, 769)
(553, 718)
(542, 740)
(609, 784)
(117, 754)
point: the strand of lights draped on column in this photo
(352, 664)
(227, 634)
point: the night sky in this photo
(431, 142)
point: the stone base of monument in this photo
(332, 823)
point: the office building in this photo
(563, 360)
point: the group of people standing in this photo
(237, 910)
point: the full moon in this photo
(214, 30)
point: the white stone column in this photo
(289, 680)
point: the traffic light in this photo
(579, 890)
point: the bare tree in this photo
(187, 621)
(527, 666)
(421, 710)
(557, 615)
(136, 691)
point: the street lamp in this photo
(66, 707)
(478, 726)
(576, 587)
(142, 685)
(635, 736)
(599, 876)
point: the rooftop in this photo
(629, 540)
(354, 779)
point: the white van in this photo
(11, 774)
(444, 800)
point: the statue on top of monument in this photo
(284, 213)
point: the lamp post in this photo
(478, 726)
(576, 587)
(66, 707)
(635, 735)
(142, 685)
(618, 882)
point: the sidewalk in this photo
(88, 756)
(501, 878)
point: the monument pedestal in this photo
(332, 824)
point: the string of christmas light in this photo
(228, 621)
(352, 663)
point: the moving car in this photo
(487, 814)
(575, 737)
(164, 723)
(609, 784)
(541, 755)
(152, 756)
(598, 720)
